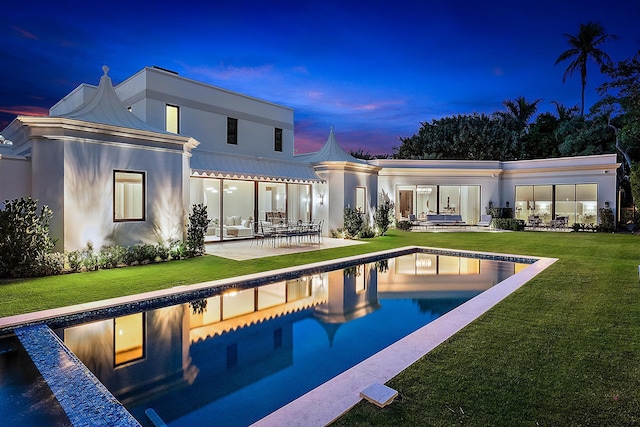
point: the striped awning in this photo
(218, 165)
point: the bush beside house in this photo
(26, 249)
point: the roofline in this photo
(82, 125)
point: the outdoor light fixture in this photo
(321, 198)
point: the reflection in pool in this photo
(234, 357)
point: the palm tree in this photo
(583, 47)
(521, 110)
(565, 113)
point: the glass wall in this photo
(426, 200)
(238, 208)
(299, 206)
(233, 205)
(421, 200)
(587, 204)
(543, 203)
(449, 199)
(272, 197)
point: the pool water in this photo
(236, 356)
(25, 397)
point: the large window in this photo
(172, 118)
(421, 200)
(128, 196)
(299, 202)
(576, 202)
(238, 208)
(232, 131)
(277, 146)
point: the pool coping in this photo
(331, 399)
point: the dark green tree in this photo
(581, 136)
(463, 137)
(622, 104)
(522, 111)
(584, 46)
(196, 230)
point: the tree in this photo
(622, 106)
(196, 230)
(565, 113)
(584, 46)
(522, 111)
(581, 136)
(463, 137)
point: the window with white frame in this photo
(128, 196)
(172, 118)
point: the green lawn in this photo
(562, 350)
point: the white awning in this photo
(217, 165)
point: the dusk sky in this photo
(373, 70)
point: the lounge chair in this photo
(485, 221)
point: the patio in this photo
(243, 250)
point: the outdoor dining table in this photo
(292, 234)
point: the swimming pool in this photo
(239, 353)
(25, 398)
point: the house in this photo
(123, 164)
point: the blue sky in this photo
(373, 70)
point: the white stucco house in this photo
(123, 164)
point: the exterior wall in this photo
(333, 200)
(15, 177)
(440, 173)
(71, 169)
(48, 183)
(88, 190)
(340, 191)
(499, 179)
(599, 170)
(204, 110)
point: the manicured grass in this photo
(562, 350)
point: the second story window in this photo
(232, 131)
(277, 140)
(172, 118)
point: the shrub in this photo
(162, 251)
(403, 225)
(607, 223)
(74, 258)
(383, 217)
(24, 238)
(337, 234)
(196, 230)
(353, 222)
(508, 224)
(51, 264)
(90, 258)
(178, 250)
(148, 253)
(128, 255)
(366, 233)
(110, 256)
